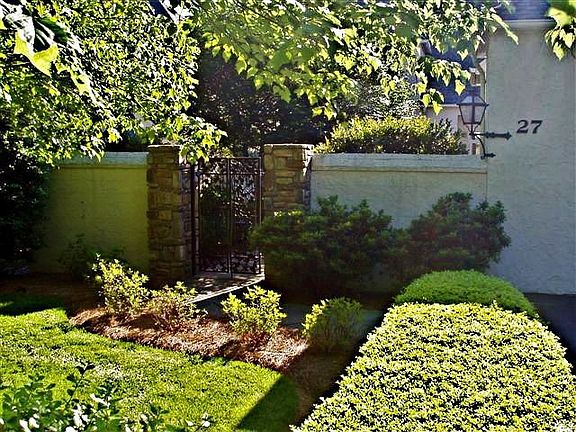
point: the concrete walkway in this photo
(211, 286)
(560, 312)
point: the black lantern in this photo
(472, 109)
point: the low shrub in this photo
(440, 367)
(323, 250)
(258, 316)
(453, 236)
(332, 323)
(450, 287)
(79, 257)
(418, 135)
(173, 307)
(123, 289)
(34, 406)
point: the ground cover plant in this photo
(34, 406)
(432, 367)
(418, 135)
(233, 393)
(466, 286)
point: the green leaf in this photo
(279, 59)
(459, 86)
(42, 60)
(241, 65)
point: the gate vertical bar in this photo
(193, 210)
(230, 214)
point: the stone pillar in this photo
(286, 177)
(169, 215)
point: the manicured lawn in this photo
(238, 396)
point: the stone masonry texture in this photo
(287, 177)
(169, 215)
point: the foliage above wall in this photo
(418, 135)
(141, 69)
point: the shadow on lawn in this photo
(275, 411)
(19, 304)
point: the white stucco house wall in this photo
(533, 96)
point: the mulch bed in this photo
(205, 336)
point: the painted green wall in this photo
(105, 201)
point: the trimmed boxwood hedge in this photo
(453, 367)
(449, 287)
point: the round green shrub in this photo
(332, 323)
(417, 135)
(453, 367)
(449, 287)
(323, 250)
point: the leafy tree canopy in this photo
(133, 71)
(140, 75)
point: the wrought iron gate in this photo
(227, 204)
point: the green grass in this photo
(237, 395)
(451, 287)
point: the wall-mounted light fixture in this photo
(472, 109)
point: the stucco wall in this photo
(534, 175)
(403, 186)
(105, 201)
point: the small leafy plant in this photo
(34, 406)
(123, 289)
(332, 323)
(257, 316)
(173, 307)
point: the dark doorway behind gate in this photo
(227, 197)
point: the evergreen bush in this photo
(453, 236)
(324, 250)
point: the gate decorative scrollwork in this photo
(227, 201)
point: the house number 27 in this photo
(525, 126)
